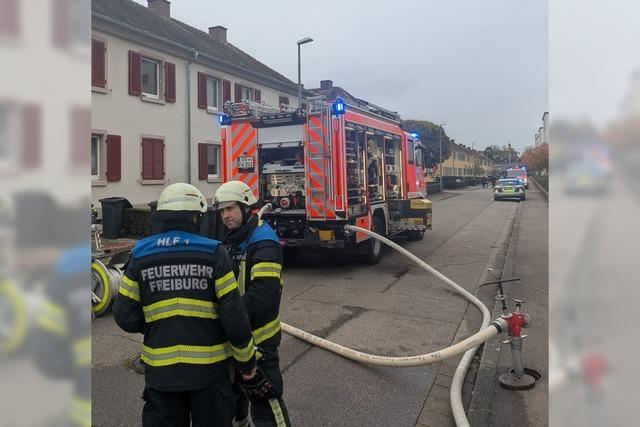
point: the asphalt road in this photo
(391, 308)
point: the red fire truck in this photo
(330, 165)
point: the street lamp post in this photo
(440, 144)
(301, 42)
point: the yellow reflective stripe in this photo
(82, 352)
(277, 412)
(52, 318)
(179, 306)
(18, 331)
(266, 269)
(242, 277)
(225, 284)
(243, 354)
(80, 412)
(130, 288)
(191, 354)
(267, 331)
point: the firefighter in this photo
(256, 254)
(179, 290)
(62, 337)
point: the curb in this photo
(437, 405)
(485, 385)
(545, 192)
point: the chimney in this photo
(219, 33)
(161, 7)
(326, 84)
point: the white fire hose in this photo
(469, 346)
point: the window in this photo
(247, 93)
(150, 77)
(411, 151)
(212, 161)
(212, 93)
(210, 89)
(208, 162)
(95, 156)
(419, 158)
(152, 160)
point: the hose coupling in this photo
(501, 325)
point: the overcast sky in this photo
(479, 66)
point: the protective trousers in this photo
(212, 406)
(264, 412)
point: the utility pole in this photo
(509, 148)
(301, 42)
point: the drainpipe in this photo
(188, 97)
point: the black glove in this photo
(259, 386)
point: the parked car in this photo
(509, 188)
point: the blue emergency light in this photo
(224, 119)
(338, 108)
(415, 135)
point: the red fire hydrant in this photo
(517, 379)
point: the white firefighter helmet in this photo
(181, 197)
(233, 192)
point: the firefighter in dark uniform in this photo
(62, 338)
(180, 292)
(256, 255)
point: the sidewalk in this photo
(527, 258)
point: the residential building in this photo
(542, 137)
(466, 162)
(158, 89)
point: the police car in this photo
(508, 188)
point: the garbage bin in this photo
(156, 227)
(112, 216)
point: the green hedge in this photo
(136, 223)
(543, 180)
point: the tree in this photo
(429, 135)
(537, 159)
(500, 155)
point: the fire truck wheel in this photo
(374, 246)
(415, 235)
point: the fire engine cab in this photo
(329, 165)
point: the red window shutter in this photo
(81, 135)
(202, 162)
(9, 18)
(114, 160)
(152, 158)
(31, 136)
(61, 15)
(258, 95)
(158, 159)
(98, 64)
(226, 91)
(147, 158)
(169, 82)
(202, 91)
(135, 73)
(238, 89)
(283, 100)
